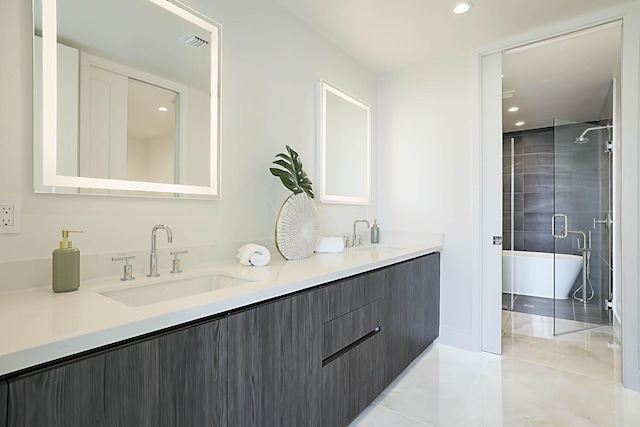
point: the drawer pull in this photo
(356, 343)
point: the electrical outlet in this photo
(6, 216)
(9, 215)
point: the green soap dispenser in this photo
(66, 265)
(375, 232)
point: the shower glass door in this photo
(581, 242)
(508, 222)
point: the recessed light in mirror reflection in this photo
(513, 109)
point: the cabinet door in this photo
(411, 317)
(275, 363)
(66, 396)
(429, 325)
(4, 395)
(193, 376)
(177, 379)
(132, 385)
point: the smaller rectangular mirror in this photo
(344, 148)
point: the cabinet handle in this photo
(351, 346)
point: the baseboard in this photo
(460, 339)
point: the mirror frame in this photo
(45, 168)
(323, 167)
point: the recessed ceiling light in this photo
(519, 123)
(462, 8)
(163, 109)
(513, 109)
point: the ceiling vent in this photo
(194, 41)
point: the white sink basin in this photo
(168, 290)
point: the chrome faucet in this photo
(153, 258)
(355, 237)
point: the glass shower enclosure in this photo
(557, 205)
(581, 225)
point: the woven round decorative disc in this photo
(297, 227)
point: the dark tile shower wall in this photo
(533, 183)
(574, 189)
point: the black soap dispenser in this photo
(66, 265)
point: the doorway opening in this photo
(560, 116)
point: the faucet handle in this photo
(128, 268)
(176, 261)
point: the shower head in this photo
(582, 139)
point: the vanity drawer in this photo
(349, 328)
(345, 296)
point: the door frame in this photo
(626, 182)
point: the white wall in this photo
(430, 169)
(271, 65)
(428, 178)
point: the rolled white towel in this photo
(330, 245)
(252, 254)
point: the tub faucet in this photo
(153, 258)
(355, 237)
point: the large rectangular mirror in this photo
(344, 147)
(126, 98)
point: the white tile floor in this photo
(540, 380)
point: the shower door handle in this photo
(607, 221)
(553, 226)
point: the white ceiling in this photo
(567, 79)
(389, 34)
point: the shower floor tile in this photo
(569, 309)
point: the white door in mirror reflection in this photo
(127, 125)
(151, 133)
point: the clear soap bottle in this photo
(66, 265)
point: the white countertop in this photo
(38, 325)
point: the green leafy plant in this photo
(292, 175)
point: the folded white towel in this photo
(252, 254)
(330, 245)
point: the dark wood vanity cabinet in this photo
(351, 363)
(376, 333)
(68, 395)
(178, 378)
(412, 314)
(314, 358)
(4, 396)
(275, 363)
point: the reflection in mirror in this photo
(126, 98)
(345, 148)
(151, 133)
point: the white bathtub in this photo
(533, 273)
